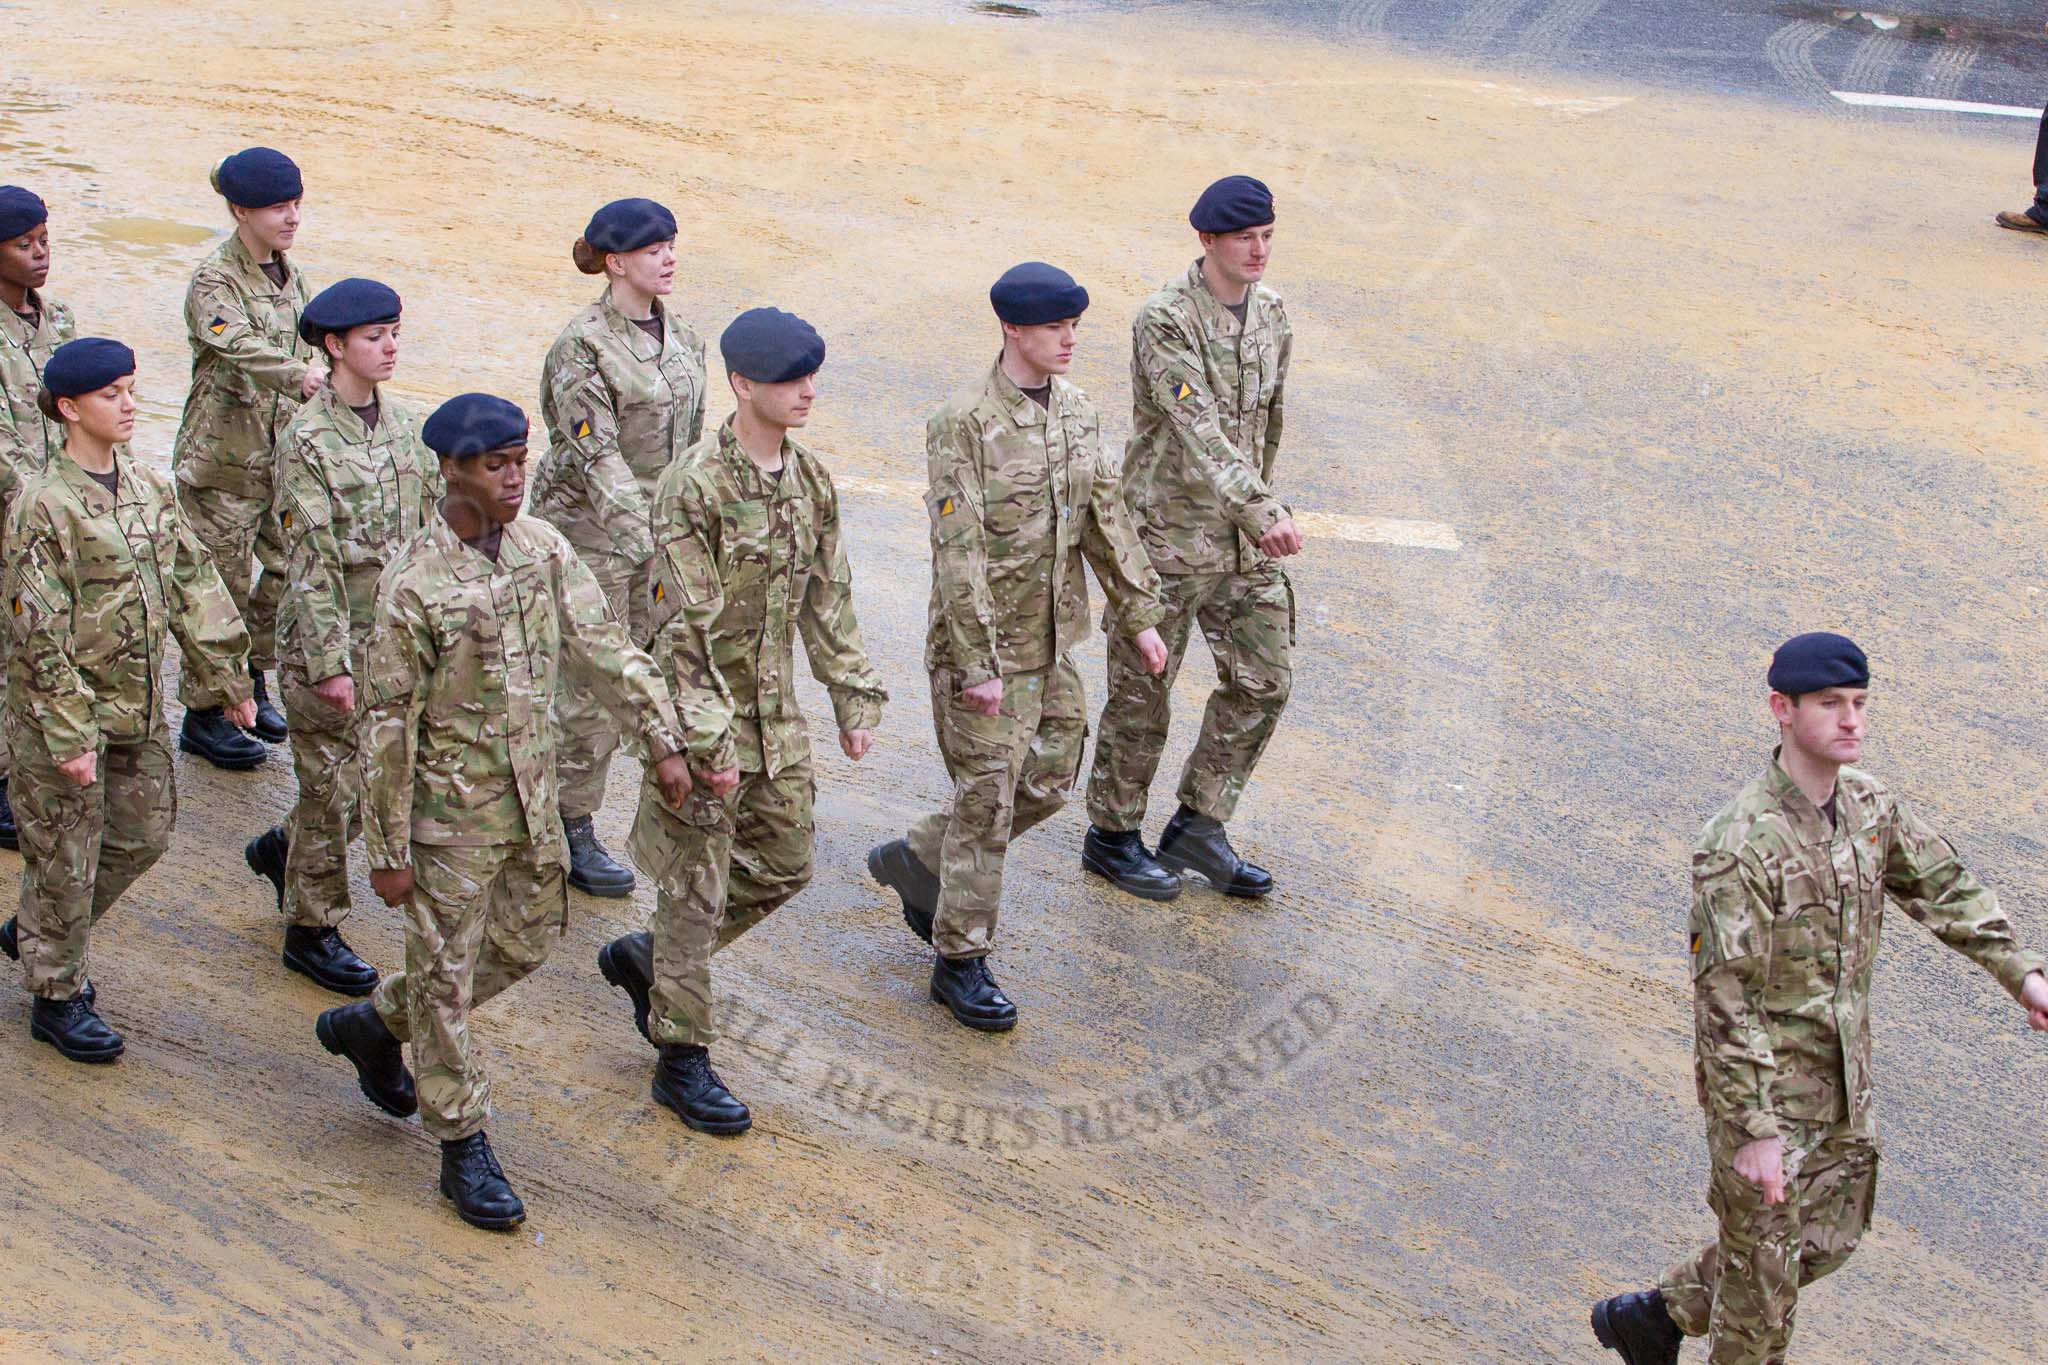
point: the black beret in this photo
(345, 304)
(86, 365)
(20, 211)
(1034, 293)
(1808, 663)
(628, 225)
(472, 423)
(770, 346)
(1232, 204)
(258, 177)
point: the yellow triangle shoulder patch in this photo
(583, 428)
(657, 591)
(1695, 945)
(947, 510)
(217, 326)
(285, 519)
(1183, 391)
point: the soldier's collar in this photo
(1805, 815)
(1021, 409)
(634, 335)
(1205, 298)
(253, 272)
(19, 326)
(750, 474)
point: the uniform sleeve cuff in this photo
(2013, 972)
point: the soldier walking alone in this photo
(1208, 374)
(1789, 886)
(1020, 494)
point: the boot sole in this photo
(353, 990)
(477, 1220)
(615, 977)
(1141, 892)
(731, 1128)
(43, 1035)
(978, 1025)
(240, 765)
(603, 893)
(910, 917)
(1183, 868)
(1604, 1333)
(269, 738)
(324, 1031)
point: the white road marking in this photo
(1924, 102)
(1404, 532)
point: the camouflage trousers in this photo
(479, 920)
(1010, 771)
(83, 846)
(1741, 1290)
(1248, 620)
(327, 816)
(589, 733)
(719, 868)
(236, 531)
(6, 654)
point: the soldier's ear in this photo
(67, 409)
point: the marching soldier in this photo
(100, 564)
(747, 556)
(473, 619)
(354, 482)
(250, 372)
(1789, 888)
(1208, 371)
(31, 328)
(1020, 493)
(622, 394)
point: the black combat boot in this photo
(685, 1082)
(209, 733)
(10, 836)
(965, 986)
(270, 726)
(358, 1033)
(618, 964)
(896, 867)
(320, 953)
(1123, 859)
(592, 870)
(74, 1029)
(1638, 1328)
(471, 1176)
(265, 856)
(1195, 843)
(10, 944)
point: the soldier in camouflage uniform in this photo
(1020, 494)
(622, 394)
(747, 555)
(1208, 374)
(473, 618)
(101, 564)
(250, 372)
(31, 327)
(354, 481)
(1789, 888)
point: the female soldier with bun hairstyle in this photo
(101, 566)
(250, 372)
(622, 394)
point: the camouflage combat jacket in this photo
(1786, 913)
(247, 361)
(28, 440)
(1205, 417)
(743, 562)
(619, 409)
(459, 749)
(93, 582)
(1018, 495)
(347, 498)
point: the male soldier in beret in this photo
(1208, 372)
(1789, 888)
(1020, 493)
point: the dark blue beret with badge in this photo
(86, 365)
(628, 225)
(258, 177)
(770, 346)
(473, 423)
(1035, 293)
(1232, 204)
(21, 211)
(345, 304)
(1818, 660)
